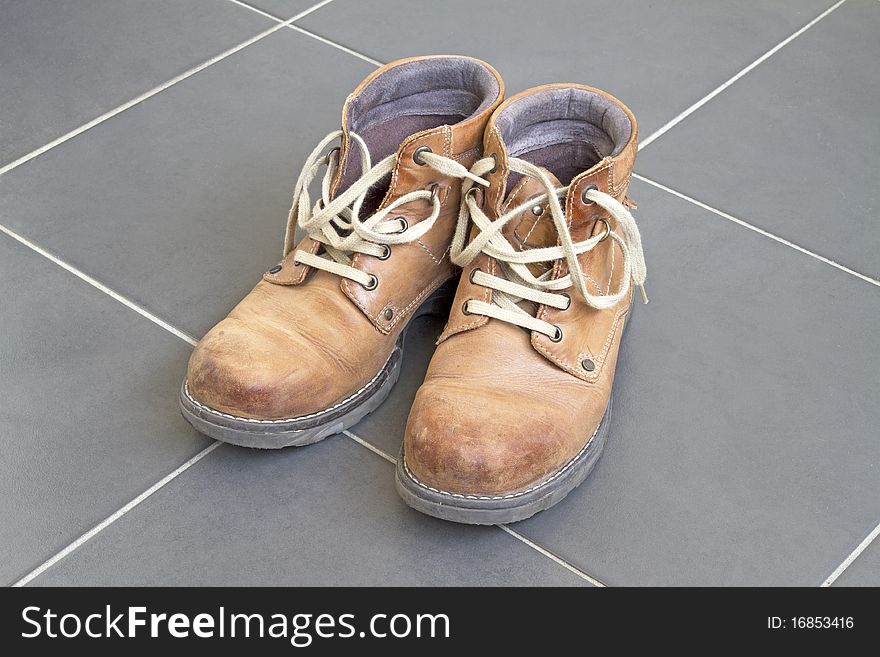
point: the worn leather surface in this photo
(502, 408)
(303, 339)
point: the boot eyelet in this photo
(567, 296)
(494, 168)
(464, 310)
(473, 273)
(372, 284)
(588, 365)
(433, 189)
(275, 269)
(404, 225)
(472, 193)
(333, 151)
(417, 155)
(556, 337)
(389, 314)
(584, 198)
(607, 230)
(538, 210)
(386, 252)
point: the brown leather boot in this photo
(514, 409)
(317, 344)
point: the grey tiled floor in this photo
(65, 63)
(745, 443)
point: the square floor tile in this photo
(180, 203)
(743, 442)
(794, 146)
(658, 57)
(89, 416)
(326, 514)
(66, 63)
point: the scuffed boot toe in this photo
(465, 449)
(238, 373)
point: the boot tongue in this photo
(530, 230)
(349, 162)
(349, 170)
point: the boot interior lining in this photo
(566, 131)
(413, 97)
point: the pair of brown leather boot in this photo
(433, 174)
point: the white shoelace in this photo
(337, 224)
(519, 283)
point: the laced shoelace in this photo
(519, 282)
(337, 224)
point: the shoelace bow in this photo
(519, 282)
(337, 224)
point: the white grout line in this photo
(760, 231)
(552, 557)
(260, 11)
(302, 14)
(693, 108)
(366, 58)
(155, 90)
(317, 37)
(562, 562)
(97, 284)
(116, 516)
(363, 443)
(852, 557)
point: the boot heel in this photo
(440, 301)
